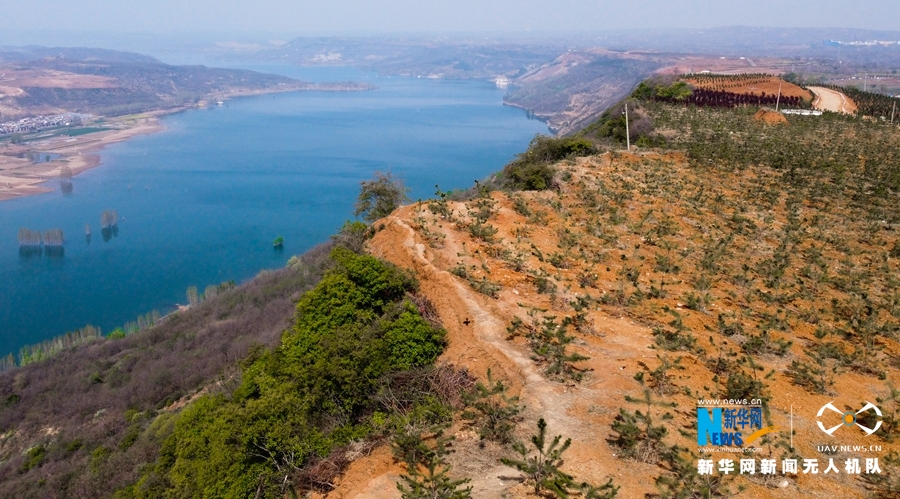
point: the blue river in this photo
(201, 202)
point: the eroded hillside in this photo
(679, 282)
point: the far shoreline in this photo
(21, 177)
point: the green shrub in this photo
(315, 392)
(492, 411)
(482, 231)
(542, 468)
(380, 196)
(352, 236)
(485, 287)
(550, 346)
(541, 464)
(814, 377)
(116, 334)
(532, 170)
(34, 457)
(637, 437)
(674, 340)
(741, 385)
(544, 285)
(426, 470)
(766, 343)
(460, 271)
(683, 481)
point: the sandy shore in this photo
(20, 176)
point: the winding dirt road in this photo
(832, 100)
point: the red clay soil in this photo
(770, 117)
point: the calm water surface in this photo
(201, 202)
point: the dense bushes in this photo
(533, 170)
(663, 89)
(306, 397)
(611, 125)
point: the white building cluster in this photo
(37, 123)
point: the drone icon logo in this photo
(849, 418)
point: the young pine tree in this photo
(427, 470)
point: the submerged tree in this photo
(109, 218)
(29, 238)
(53, 237)
(65, 178)
(109, 227)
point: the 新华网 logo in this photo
(730, 426)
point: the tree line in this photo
(48, 348)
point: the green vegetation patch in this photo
(302, 400)
(533, 170)
(74, 132)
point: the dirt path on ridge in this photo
(832, 100)
(579, 410)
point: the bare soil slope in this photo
(634, 238)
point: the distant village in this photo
(37, 123)
(870, 43)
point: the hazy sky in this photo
(299, 17)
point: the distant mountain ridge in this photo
(39, 80)
(568, 80)
(35, 52)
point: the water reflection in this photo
(110, 232)
(32, 252)
(54, 251)
(28, 252)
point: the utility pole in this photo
(866, 82)
(893, 109)
(627, 133)
(778, 100)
